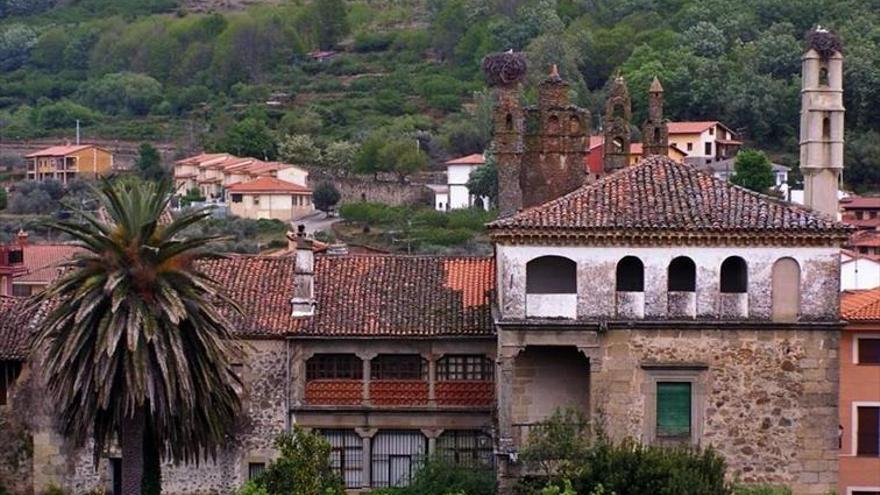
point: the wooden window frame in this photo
(395, 367)
(465, 367)
(854, 426)
(695, 374)
(855, 347)
(334, 366)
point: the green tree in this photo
(403, 157)
(332, 22)
(64, 114)
(148, 317)
(325, 196)
(16, 42)
(299, 149)
(303, 467)
(123, 92)
(483, 181)
(339, 156)
(862, 157)
(558, 445)
(249, 137)
(753, 170)
(2, 198)
(149, 163)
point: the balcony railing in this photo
(399, 392)
(335, 392)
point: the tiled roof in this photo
(659, 195)
(475, 159)
(15, 328)
(853, 202)
(41, 262)
(865, 238)
(860, 305)
(62, 150)
(413, 296)
(263, 288)
(690, 127)
(267, 185)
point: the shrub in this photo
(761, 490)
(303, 467)
(440, 477)
(373, 42)
(325, 196)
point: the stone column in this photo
(365, 359)
(432, 434)
(505, 442)
(432, 379)
(366, 435)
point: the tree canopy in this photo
(753, 170)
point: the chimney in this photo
(22, 238)
(303, 301)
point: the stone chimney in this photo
(303, 301)
(822, 125)
(618, 114)
(655, 131)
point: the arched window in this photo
(551, 275)
(618, 145)
(734, 275)
(656, 134)
(823, 76)
(682, 275)
(509, 122)
(786, 289)
(574, 124)
(553, 124)
(630, 275)
(617, 111)
(826, 128)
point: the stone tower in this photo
(655, 132)
(822, 112)
(504, 71)
(556, 144)
(618, 113)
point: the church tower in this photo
(655, 132)
(504, 71)
(618, 113)
(822, 113)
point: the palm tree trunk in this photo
(132, 443)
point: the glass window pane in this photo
(868, 441)
(869, 351)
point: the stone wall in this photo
(769, 397)
(265, 377)
(366, 188)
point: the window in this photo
(9, 371)
(617, 144)
(471, 448)
(868, 431)
(255, 469)
(868, 350)
(690, 146)
(673, 410)
(346, 455)
(682, 276)
(236, 198)
(860, 215)
(508, 122)
(551, 275)
(465, 367)
(334, 367)
(574, 124)
(256, 201)
(734, 275)
(398, 367)
(823, 76)
(553, 124)
(826, 128)
(711, 131)
(21, 290)
(630, 275)
(396, 456)
(708, 149)
(786, 294)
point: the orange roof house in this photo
(268, 197)
(597, 154)
(68, 162)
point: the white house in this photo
(858, 271)
(455, 194)
(705, 141)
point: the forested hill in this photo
(159, 70)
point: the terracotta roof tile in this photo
(15, 328)
(475, 159)
(860, 305)
(41, 261)
(690, 127)
(865, 238)
(267, 185)
(414, 296)
(660, 195)
(62, 150)
(856, 202)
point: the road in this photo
(315, 222)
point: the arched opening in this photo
(509, 122)
(617, 144)
(574, 125)
(551, 275)
(617, 111)
(553, 124)
(656, 135)
(630, 275)
(786, 290)
(734, 276)
(826, 128)
(551, 287)
(682, 275)
(823, 76)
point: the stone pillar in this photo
(366, 435)
(506, 449)
(432, 379)
(432, 434)
(365, 361)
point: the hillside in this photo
(238, 75)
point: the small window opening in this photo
(509, 122)
(826, 128)
(617, 143)
(823, 76)
(630, 275)
(734, 275)
(551, 275)
(682, 275)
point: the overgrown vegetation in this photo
(753, 170)
(417, 229)
(409, 69)
(440, 477)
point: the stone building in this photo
(655, 131)
(618, 114)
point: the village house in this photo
(455, 194)
(861, 212)
(268, 197)
(704, 141)
(860, 394)
(213, 173)
(859, 271)
(30, 267)
(69, 162)
(664, 304)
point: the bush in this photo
(373, 213)
(440, 477)
(302, 469)
(63, 113)
(325, 196)
(373, 42)
(123, 92)
(761, 490)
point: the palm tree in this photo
(138, 347)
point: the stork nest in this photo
(824, 42)
(504, 69)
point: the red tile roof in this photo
(690, 127)
(862, 305)
(62, 150)
(15, 328)
(268, 185)
(42, 262)
(475, 159)
(853, 202)
(661, 195)
(412, 296)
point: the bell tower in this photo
(618, 113)
(821, 138)
(655, 132)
